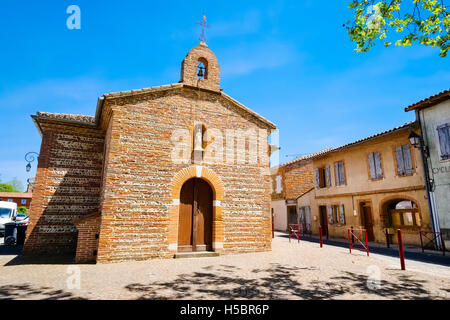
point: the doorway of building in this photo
(292, 215)
(323, 220)
(195, 217)
(367, 219)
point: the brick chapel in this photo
(157, 172)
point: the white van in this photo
(8, 212)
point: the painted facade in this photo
(433, 114)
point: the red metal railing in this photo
(320, 236)
(355, 239)
(400, 249)
(435, 236)
(294, 229)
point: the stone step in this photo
(197, 254)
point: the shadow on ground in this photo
(277, 282)
(19, 259)
(436, 258)
(27, 291)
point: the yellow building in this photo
(374, 183)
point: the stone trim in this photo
(218, 193)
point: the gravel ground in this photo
(289, 271)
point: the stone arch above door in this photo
(218, 192)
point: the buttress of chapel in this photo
(200, 68)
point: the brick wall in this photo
(137, 194)
(298, 178)
(67, 186)
(88, 229)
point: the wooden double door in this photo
(195, 217)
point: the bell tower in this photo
(200, 68)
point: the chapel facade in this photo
(156, 173)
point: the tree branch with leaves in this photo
(423, 21)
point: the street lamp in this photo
(414, 139)
(30, 157)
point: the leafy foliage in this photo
(6, 187)
(23, 210)
(425, 21)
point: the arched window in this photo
(404, 213)
(202, 72)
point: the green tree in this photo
(23, 210)
(6, 187)
(17, 184)
(405, 22)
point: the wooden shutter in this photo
(400, 162)
(341, 173)
(341, 214)
(444, 140)
(336, 170)
(407, 159)
(377, 160)
(372, 166)
(328, 169)
(302, 214)
(330, 214)
(317, 178)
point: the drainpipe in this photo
(430, 194)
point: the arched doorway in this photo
(195, 216)
(403, 213)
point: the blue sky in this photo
(290, 61)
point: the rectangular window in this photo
(376, 172)
(404, 161)
(323, 177)
(10, 200)
(23, 201)
(444, 140)
(279, 189)
(340, 173)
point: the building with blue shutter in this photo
(433, 116)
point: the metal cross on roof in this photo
(204, 25)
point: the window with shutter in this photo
(379, 170)
(444, 140)
(376, 172)
(317, 178)
(404, 160)
(340, 173)
(341, 214)
(328, 173)
(330, 214)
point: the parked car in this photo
(8, 212)
(22, 219)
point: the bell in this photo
(200, 72)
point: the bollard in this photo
(349, 240)
(289, 233)
(273, 231)
(387, 238)
(353, 238)
(443, 245)
(367, 243)
(320, 237)
(400, 249)
(421, 241)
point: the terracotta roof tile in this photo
(430, 101)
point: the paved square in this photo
(290, 271)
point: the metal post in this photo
(320, 236)
(387, 237)
(421, 241)
(443, 244)
(349, 240)
(367, 242)
(400, 249)
(289, 233)
(298, 233)
(273, 231)
(353, 238)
